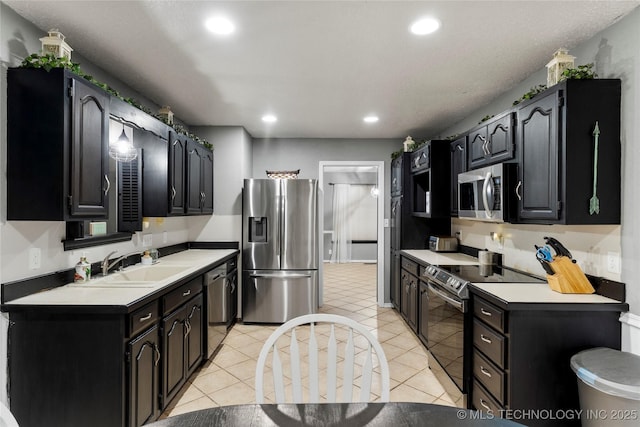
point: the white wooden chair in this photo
(6, 417)
(360, 352)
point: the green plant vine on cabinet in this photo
(48, 62)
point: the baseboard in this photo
(630, 332)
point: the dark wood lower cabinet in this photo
(174, 329)
(519, 352)
(182, 345)
(409, 297)
(104, 366)
(423, 314)
(520, 355)
(195, 342)
(144, 377)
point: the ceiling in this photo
(321, 66)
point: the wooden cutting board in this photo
(568, 277)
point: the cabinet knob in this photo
(485, 312)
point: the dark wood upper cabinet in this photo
(199, 179)
(57, 147)
(491, 142)
(397, 175)
(177, 172)
(178, 176)
(538, 138)
(430, 180)
(458, 150)
(557, 157)
(207, 182)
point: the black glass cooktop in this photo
(488, 274)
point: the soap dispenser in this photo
(83, 270)
(146, 259)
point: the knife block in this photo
(568, 277)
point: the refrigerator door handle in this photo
(279, 276)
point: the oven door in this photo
(446, 332)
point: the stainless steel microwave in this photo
(488, 194)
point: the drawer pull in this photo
(187, 293)
(485, 339)
(147, 317)
(484, 405)
(485, 312)
(485, 372)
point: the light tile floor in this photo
(349, 290)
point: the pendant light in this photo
(122, 150)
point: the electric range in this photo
(455, 279)
(448, 315)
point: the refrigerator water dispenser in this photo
(257, 229)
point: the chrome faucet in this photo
(106, 266)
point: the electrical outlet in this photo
(147, 240)
(35, 257)
(458, 234)
(386, 222)
(613, 262)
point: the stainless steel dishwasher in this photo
(221, 295)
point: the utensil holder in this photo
(568, 277)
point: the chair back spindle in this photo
(341, 353)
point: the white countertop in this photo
(441, 258)
(537, 293)
(508, 292)
(97, 293)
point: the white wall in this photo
(232, 162)
(616, 54)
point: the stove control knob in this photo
(458, 284)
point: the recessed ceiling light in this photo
(220, 25)
(425, 26)
(269, 118)
(371, 119)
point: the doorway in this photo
(366, 177)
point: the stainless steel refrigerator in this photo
(279, 249)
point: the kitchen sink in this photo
(137, 276)
(113, 284)
(152, 273)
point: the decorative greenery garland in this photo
(48, 62)
(531, 94)
(583, 72)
